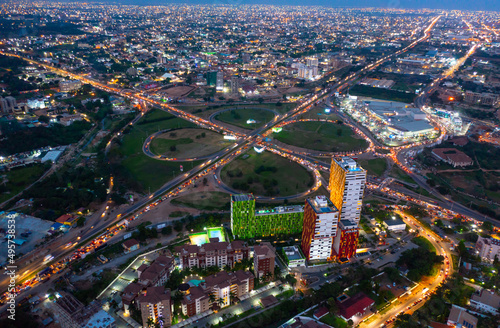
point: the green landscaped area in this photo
(266, 174)
(321, 136)
(399, 174)
(145, 172)
(209, 201)
(423, 242)
(201, 238)
(278, 107)
(239, 117)
(333, 321)
(380, 93)
(375, 166)
(188, 143)
(17, 179)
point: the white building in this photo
(487, 301)
(66, 86)
(219, 86)
(488, 248)
(347, 184)
(395, 225)
(294, 257)
(321, 219)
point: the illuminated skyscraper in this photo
(319, 228)
(347, 185)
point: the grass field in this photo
(147, 172)
(189, 143)
(238, 117)
(375, 166)
(321, 136)
(399, 174)
(333, 321)
(423, 242)
(283, 108)
(210, 200)
(16, 180)
(266, 174)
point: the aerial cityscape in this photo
(232, 164)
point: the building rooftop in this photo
(100, 319)
(321, 204)
(394, 222)
(280, 210)
(242, 197)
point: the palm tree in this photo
(269, 275)
(151, 322)
(211, 298)
(220, 302)
(232, 296)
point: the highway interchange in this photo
(104, 230)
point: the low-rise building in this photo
(217, 291)
(294, 257)
(214, 253)
(66, 86)
(157, 273)
(355, 306)
(460, 318)
(130, 245)
(486, 301)
(488, 248)
(263, 260)
(395, 225)
(156, 305)
(452, 156)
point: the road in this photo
(175, 185)
(409, 302)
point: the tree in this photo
(166, 230)
(173, 148)
(488, 226)
(260, 100)
(332, 305)
(211, 298)
(462, 250)
(43, 119)
(220, 302)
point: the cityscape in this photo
(234, 164)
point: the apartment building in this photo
(214, 253)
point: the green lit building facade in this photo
(247, 222)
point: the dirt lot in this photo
(180, 91)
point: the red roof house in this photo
(357, 305)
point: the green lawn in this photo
(147, 172)
(18, 179)
(379, 93)
(239, 117)
(399, 174)
(266, 174)
(423, 242)
(333, 321)
(188, 143)
(211, 200)
(375, 166)
(321, 136)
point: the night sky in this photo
(491, 5)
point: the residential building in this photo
(460, 318)
(66, 86)
(217, 291)
(264, 256)
(477, 98)
(234, 85)
(346, 241)
(212, 78)
(247, 222)
(395, 225)
(129, 295)
(347, 184)
(452, 156)
(156, 304)
(486, 301)
(7, 104)
(319, 228)
(219, 85)
(294, 257)
(157, 273)
(488, 248)
(130, 245)
(214, 253)
(355, 307)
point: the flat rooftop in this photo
(322, 204)
(242, 197)
(280, 210)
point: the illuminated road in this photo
(173, 187)
(415, 300)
